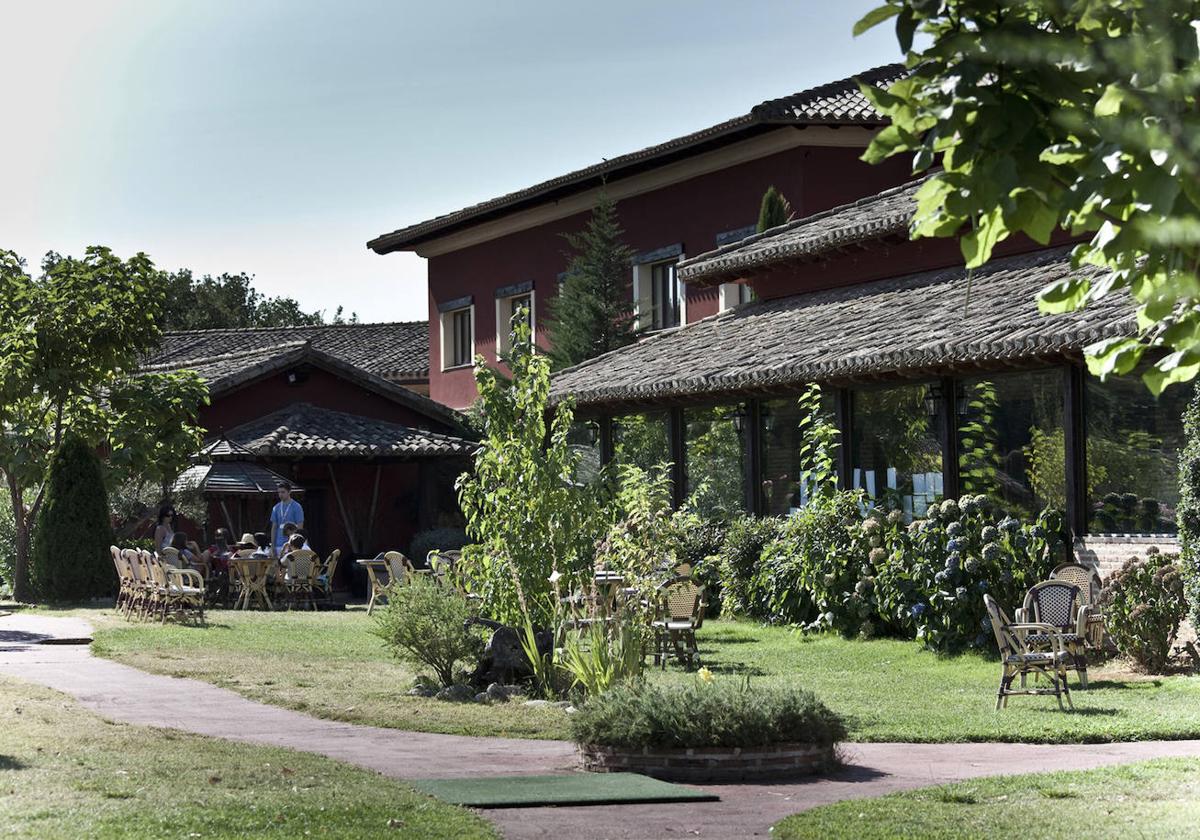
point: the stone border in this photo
(710, 764)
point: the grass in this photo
(1159, 799)
(327, 664)
(66, 773)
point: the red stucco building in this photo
(675, 200)
(338, 410)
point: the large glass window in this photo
(897, 457)
(1133, 446)
(584, 440)
(641, 439)
(715, 455)
(664, 295)
(1010, 439)
(785, 486)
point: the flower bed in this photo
(709, 731)
(710, 764)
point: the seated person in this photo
(290, 530)
(220, 551)
(189, 552)
(262, 545)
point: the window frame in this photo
(644, 282)
(450, 345)
(505, 312)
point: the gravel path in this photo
(121, 693)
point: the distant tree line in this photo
(230, 301)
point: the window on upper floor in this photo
(511, 310)
(658, 295)
(734, 294)
(458, 337)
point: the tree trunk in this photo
(22, 590)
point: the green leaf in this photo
(875, 17)
(1177, 367)
(1063, 296)
(1109, 104)
(1114, 356)
(977, 245)
(906, 27)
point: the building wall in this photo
(691, 213)
(318, 387)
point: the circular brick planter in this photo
(709, 764)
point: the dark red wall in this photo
(692, 213)
(320, 388)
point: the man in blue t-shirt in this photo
(286, 510)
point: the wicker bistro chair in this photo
(1059, 604)
(176, 590)
(1087, 578)
(148, 594)
(170, 557)
(124, 578)
(325, 575)
(382, 572)
(299, 577)
(248, 575)
(1019, 659)
(442, 564)
(681, 614)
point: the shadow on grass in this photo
(7, 762)
(1122, 685)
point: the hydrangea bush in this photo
(1144, 603)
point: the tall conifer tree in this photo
(593, 312)
(774, 210)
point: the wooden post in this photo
(949, 438)
(845, 424)
(337, 492)
(1075, 446)
(752, 437)
(234, 534)
(677, 446)
(605, 424)
(374, 505)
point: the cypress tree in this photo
(71, 560)
(774, 210)
(593, 312)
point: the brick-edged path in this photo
(126, 694)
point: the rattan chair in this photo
(681, 614)
(249, 577)
(1087, 578)
(382, 572)
(124, 579)
(299, 578)
(325, 575)
(1019, 659)
(171, 557)
(175, 591)
(1059, 604)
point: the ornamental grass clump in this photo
(705, 713)
(1143, 604)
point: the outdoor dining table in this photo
(252, 572)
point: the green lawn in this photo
(328, 664)
(66, 773)
(1159, 799)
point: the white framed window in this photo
(660, 297)
(514, 304)
(458, 333)
(734, 294)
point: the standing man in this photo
(286, 510)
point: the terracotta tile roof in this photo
(874, 217)
(396, 351)
(834, 103)
(304, 430)
(908, 325)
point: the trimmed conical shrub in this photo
(774, 211)
(1187, 513)
(71, 560)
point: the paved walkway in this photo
(126, 694)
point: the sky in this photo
(276, 138)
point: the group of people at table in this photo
(287, 535)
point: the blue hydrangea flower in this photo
(971, 566)
(955, 545)
(991, 552)
(918, 610)
(961, 593)
(954, 529)
(990, 533)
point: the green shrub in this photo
(739, 559)
(441, 539)
(1144, 603)
(71, 559)
(601, 656)
(716, 713)
(1187, 513)
(425, 624)
(808, 573)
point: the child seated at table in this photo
(290, 529)
(263, 545)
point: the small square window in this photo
(511, 311)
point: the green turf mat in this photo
(573, 789)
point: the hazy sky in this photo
(276, 138)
